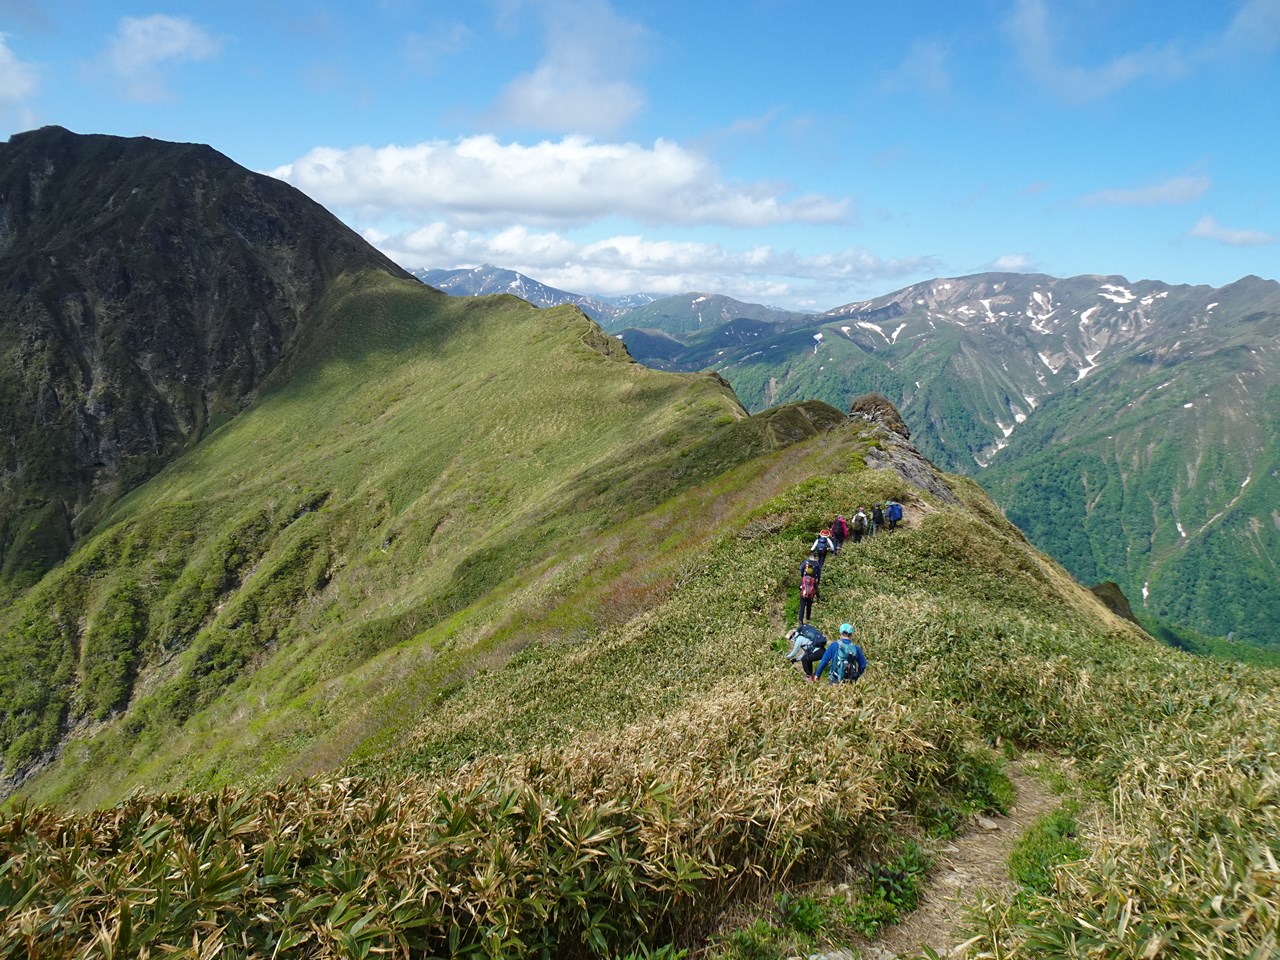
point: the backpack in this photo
(808, 586)
(814, 641)
(844, 666)
(894, 512)
(842, 527)
(859, 523)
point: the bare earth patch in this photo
(969, 868)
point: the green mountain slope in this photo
(427, 455)
(632, 781)
(147, 291)
(464, 639)
(1127, 427)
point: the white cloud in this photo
(1032, 37)
(1173, 190)
(427, 51)
(142, 47)
(924, 68)
(629, 263)
(17, 79)
(1254, 29)
(480, 181)
(1013, 263)
(1208, 228)
(582, 84)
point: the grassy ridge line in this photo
(670, 787)
(409, 468)
(300, 726)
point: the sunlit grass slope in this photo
(424, 461)
(647, 765)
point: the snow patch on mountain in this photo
(1085, 371)
(873, 326)
(1117, 294)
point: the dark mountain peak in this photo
(147, 290)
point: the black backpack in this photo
(814, 642)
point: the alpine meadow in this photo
(454, 631)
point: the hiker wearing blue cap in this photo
(845, 659)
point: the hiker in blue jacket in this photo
(844, 658)
(893, 514)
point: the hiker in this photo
(877, 518)
(821, 547)
(810, 575)
(807, 647)
(844, 658)
(839, 533)
(859, 525)
(893, 514)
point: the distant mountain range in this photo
(1129, 428)
(486, 279)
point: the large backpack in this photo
(844, 666)
(808, 586)
(842, 527)
(859, 523)
(894, 512)
(814, 642)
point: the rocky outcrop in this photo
(147, 289)
(894, 451)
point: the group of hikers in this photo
(843, 661)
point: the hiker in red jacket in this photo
(810, 575)
(839, 533)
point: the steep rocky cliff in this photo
(147, 289)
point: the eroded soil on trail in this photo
(970, 868)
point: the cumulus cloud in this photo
(582, 83)
(17, 79)
(1171, 191)
(1209, 228)
(1032, 37)
(627, 263)
(480, 181)
(143, 48)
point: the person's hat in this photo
(791, 634)
(846, 628)
(826, 533)
(813, 555)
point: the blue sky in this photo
(800, 154)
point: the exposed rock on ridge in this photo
(896, 452)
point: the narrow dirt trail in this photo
(966, 869)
